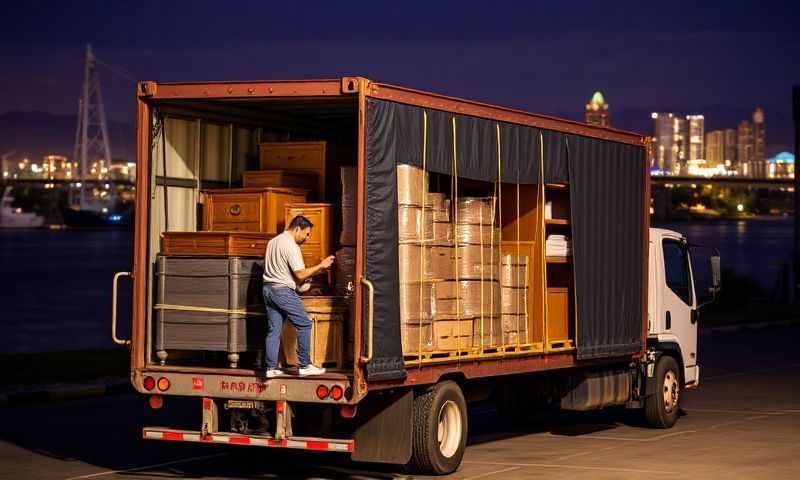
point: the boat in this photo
(11, 217)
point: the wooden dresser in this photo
(299, 156)
(248, 209)
(280, 178)
(320, 244)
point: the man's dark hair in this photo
(300, 222)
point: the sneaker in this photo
(274, 372)
(311, 370)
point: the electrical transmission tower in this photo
(91, 136)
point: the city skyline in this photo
(719, 57)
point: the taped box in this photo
(476, 210)
(514, 271)
(416, 338)
(474, 298)
(412, 183)
(514, 300)
(477, 235)
(441, 207)
(415, 223)
(417, 302)
(442, 231)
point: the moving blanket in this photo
(608, 324)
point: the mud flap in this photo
(385, 428)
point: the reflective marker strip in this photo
(310, 444)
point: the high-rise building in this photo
(744, 149)
(597, 111)
(730, 151)
(697, 131)
(715, 148)
(669, 149)
(751, 150)
(759, 144)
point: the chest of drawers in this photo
(248, 209)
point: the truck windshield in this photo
(676, 267)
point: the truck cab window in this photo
(676, 268)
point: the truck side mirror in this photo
(716, 276)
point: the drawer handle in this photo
(235, 210)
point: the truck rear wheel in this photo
(661, 407)
(440, 429)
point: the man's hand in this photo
(309, 272)
(326, 263)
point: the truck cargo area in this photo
(225, 177)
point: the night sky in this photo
(546, 57)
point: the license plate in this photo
(244, 404)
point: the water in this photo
(56, 284)
(56, 288)
(759, 249)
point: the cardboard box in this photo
(476, 211)
(514, 322)
(415, 338)
(514, 300)
(443, 264)
(514, 271)
(412, 183)
(442, 231)
(441, 207)
(414, 223)
(453, 334)
(417, 302)
(474, 298)
(415, 262)
(477, 235)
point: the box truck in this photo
(482, 253)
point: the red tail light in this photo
(156, 401)
(347, 411)
(322, 392)
(149, 383)
(336, 392)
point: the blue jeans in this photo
(283, 302)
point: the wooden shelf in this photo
(559, 259)
(556, 221)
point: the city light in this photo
(740, 207)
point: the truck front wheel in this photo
(661, 406)
(440, 429)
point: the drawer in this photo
(320, 217)
(235, 208)
(312, 253)
(235, 227)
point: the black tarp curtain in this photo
(606, 184)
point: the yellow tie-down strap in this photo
(185, 308)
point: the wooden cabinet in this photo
(248, 209)
(320, 244)
(298, 156)
(280, 178)
(215, 244)
(560, 331)
(327, 332)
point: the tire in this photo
(440, 429)
(662, 406)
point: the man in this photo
(283, 267)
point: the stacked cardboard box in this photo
(442, 228)
(514, 293)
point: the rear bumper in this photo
(302, 443)
(201, 383)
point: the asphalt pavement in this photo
(743, 422)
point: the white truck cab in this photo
(673, 301)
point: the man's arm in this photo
(309, 272)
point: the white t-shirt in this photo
(283, 257)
